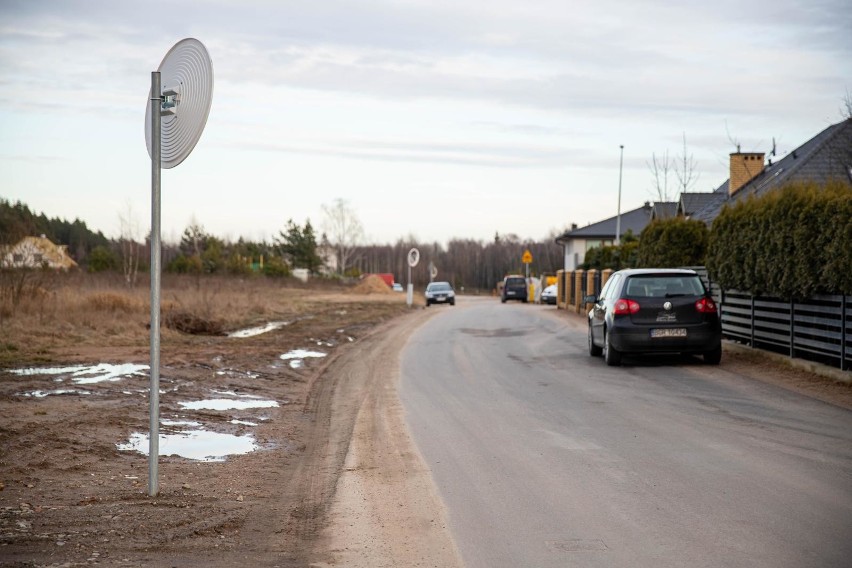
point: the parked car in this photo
(440, 293)
(548, 295)
(397, 287)
(654, 310)
(514, 288)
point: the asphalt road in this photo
(544, 456)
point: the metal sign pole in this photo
(154, 389)
(409, 292)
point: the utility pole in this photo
(618, 217)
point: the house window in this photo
(18, 257)
(37, 258)
(590, 244)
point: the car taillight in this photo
(624, 307)
(705, 306)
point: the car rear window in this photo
(664, 286)
(515, 282)
(439, 287)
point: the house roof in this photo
(691, 202)
(825, 157)
(56, 255)
(634, 221)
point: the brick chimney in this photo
(745, 166)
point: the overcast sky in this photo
(432, 118)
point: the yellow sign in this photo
(527, 258)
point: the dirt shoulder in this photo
(385, 512)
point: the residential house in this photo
(36, 252)
(577, 241)
(825, 157)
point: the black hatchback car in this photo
(514, 288)
(654, 311)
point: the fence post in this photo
(592, 277)
(579, 289)
(752, 321)
(843, 366)
(792, 329)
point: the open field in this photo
(73, 388)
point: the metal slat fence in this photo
(818, 329)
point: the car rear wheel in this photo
(713, 356)
(611, 355)
(594, 350)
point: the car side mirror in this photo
(590, 299)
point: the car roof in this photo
(643, 271)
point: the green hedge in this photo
(791, 243)
(615, 257)
(670, 243)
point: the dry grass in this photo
(99, 310)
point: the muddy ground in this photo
(71, 497)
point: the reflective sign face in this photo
(413, 257)
(527, 258)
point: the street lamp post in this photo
(618, 217)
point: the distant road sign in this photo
(413, 257)
(527, 258)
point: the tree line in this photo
(336, 251)
(18, 221)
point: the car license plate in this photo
(669, 332)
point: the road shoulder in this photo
(386, 511)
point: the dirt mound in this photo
(188, 322)
(372, 284)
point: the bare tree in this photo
(344, 231)
(685, 169)
(130, 247)
(846, 109)
(661, 168)
(682, 167)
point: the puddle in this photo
(297, 355)
(227, 404)
(252, 331)
(235, 373)
(44, 394)
(199, 445)
(87, 374)
(302, 354)
(166, 422)
(232, 393)
(243, 422)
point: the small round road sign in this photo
(413, 257)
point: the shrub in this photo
(791, 243)
(276, 267)
(102, 259)
(615, 257)
(669, 243)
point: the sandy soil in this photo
(336, 481)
